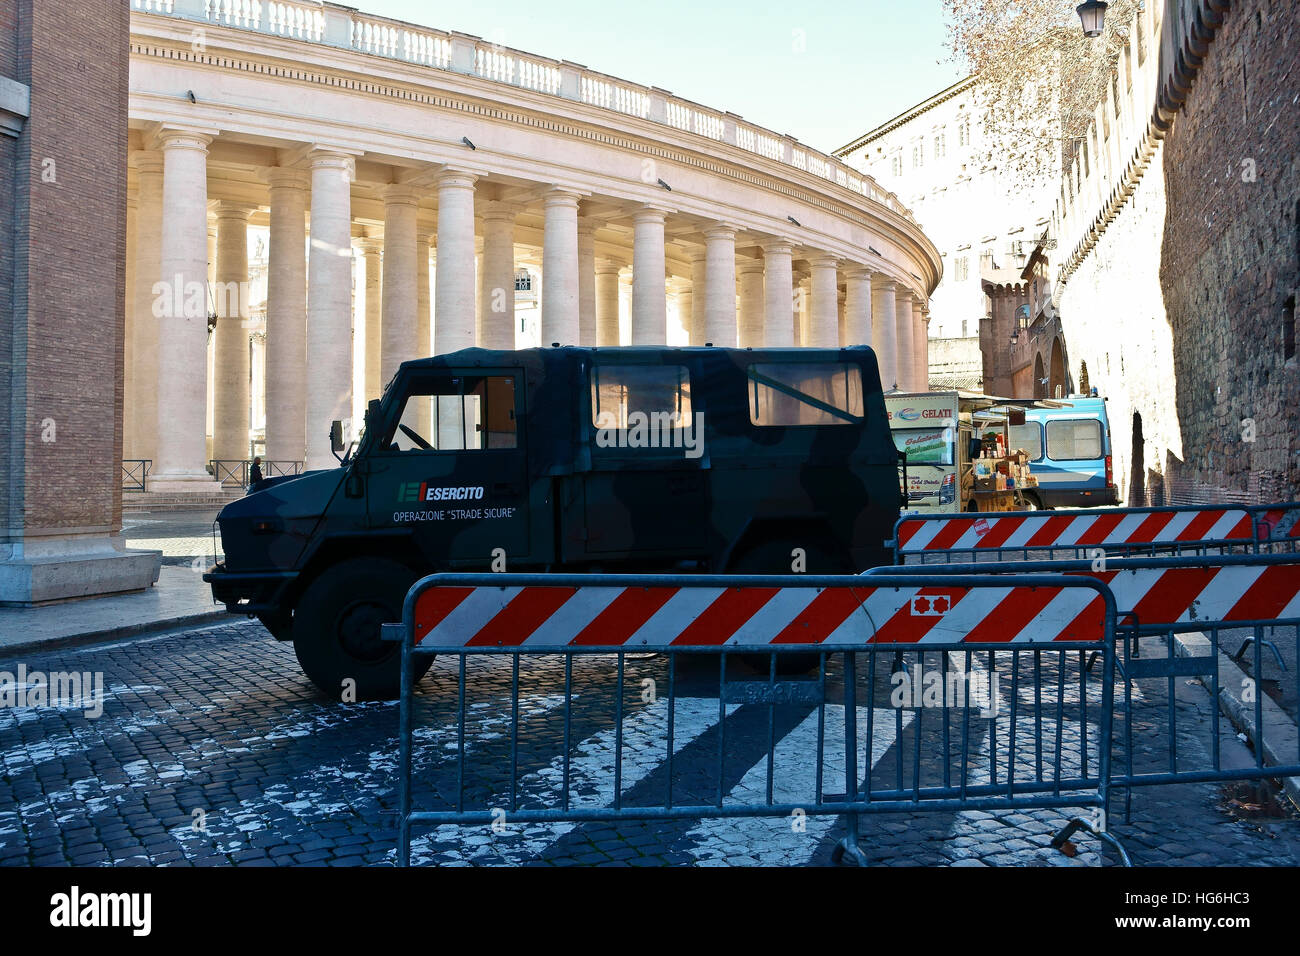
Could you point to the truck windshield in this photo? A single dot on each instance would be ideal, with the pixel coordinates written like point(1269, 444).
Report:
point(455, 413)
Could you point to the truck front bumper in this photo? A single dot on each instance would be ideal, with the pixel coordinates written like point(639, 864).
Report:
point(249, 592)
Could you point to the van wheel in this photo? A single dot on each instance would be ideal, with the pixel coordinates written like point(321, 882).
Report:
point(776, 557)
point(336, 628)
point(1031, 502)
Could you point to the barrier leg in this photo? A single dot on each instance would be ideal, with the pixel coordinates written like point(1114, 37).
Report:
point(1077, 824)
point(404, 758)
point(848, 845)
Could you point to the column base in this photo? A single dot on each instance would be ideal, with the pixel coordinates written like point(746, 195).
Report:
point(200, 483)
point(46, 570)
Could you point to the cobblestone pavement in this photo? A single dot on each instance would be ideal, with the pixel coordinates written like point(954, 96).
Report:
point(182, 536)
point(213, 749)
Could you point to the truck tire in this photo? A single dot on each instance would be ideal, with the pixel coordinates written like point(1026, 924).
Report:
point(775, 557)
point(336, 628)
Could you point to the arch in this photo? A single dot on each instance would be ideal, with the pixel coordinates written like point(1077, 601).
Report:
point(1056, 383)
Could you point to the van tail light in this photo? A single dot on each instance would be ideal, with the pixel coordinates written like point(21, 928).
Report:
point(1110, 475)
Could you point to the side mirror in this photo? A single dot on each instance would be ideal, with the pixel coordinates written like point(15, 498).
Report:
point(336, 436)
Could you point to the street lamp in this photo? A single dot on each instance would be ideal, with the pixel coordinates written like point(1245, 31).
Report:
point(1093, 15)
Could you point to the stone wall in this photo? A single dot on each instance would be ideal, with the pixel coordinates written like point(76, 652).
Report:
point(1178, 307)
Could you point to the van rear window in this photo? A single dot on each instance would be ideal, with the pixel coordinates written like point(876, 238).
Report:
point(1028, 436)
point(1074, 440)
point(805, 393)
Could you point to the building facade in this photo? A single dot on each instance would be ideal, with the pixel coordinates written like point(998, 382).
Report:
point(414, 191)
point(987, 220)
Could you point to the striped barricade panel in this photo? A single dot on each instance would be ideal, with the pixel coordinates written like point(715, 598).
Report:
point(1277, 523)
point(1168, 528)
point(1173, 593)
point(547, 612)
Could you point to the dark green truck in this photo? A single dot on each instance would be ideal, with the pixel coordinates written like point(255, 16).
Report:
point(634, 459)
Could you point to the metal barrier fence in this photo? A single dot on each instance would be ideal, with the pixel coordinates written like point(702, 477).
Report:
point(135, 474)
point(1123, 532)
point(235, 472)
point(1181, 617)
point(719, 745)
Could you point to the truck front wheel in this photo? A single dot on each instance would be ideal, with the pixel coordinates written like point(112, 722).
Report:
point(336, 629)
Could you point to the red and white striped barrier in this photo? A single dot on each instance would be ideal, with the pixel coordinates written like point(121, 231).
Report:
point(659, 617)
point(1046, 530)
point(1278, 522)
point(1165, 597)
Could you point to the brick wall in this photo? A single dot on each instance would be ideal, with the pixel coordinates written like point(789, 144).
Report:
point(1230, 257)
point(1178, 309)
point(68, 237)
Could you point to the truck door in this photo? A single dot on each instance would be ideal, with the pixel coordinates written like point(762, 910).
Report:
point(452, 467)
point(645, 491)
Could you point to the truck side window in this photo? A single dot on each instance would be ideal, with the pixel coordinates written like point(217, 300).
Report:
point(1074, 440)
point(805, 393)
point(456, 413)
point(655, 398)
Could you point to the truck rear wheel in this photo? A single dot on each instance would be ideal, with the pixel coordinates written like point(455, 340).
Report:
point(336, 629)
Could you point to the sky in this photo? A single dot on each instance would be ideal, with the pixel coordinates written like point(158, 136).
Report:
point(822, 72)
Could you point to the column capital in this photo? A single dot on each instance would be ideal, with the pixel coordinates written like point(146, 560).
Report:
point(561, 196)
point(185, 137)
point(822, 260)
point(370, 245)
point(609, 266)
point(400, 194)
point(720, 231)
point(884, 283)
point(747, 266)
point(230, 210)
point(777, 247)
point(496, 211)
point(283, 177)
point(855, 270)
point(650, 212)
point(146, 161)
point(450, 177)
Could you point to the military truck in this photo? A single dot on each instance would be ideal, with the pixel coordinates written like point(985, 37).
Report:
point(632, 459)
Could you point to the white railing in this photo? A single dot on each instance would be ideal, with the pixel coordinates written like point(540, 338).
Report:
point(297, 20)
point(335, 25)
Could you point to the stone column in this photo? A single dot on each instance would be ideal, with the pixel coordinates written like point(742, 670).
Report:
point(230, 340)
point(372, 254)
point(607, 302)
point(751, 304)
point(329, 303)
point(286, 318)
point(649, 293)
point(906, 366)
point(884, 330)
point(823, 324)
point(497, 294)
point(147, 324)
point(720, 292)
point(183, 339)
point(857, 306)
point(778, 294)
point(921, 346)
point(453, 294)
point(699, 296)
point(586, 281)
point(128, 338)
point(560, 266)
point(423, 296)
point(400, 296)
point(803, 308)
